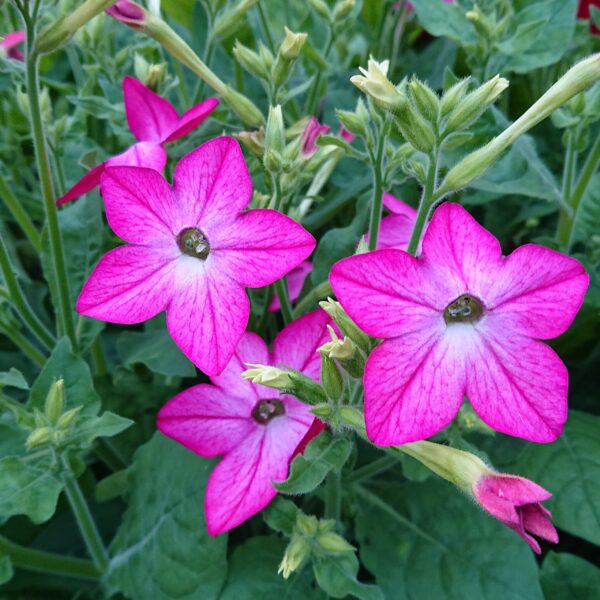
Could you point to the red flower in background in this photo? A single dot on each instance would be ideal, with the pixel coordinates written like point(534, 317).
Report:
point(584, 12)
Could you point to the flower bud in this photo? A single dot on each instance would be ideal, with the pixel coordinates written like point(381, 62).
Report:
point(266, 55)
point(362, 246)
point(454, 95)
point(332, 543)
point(296, 553)
point(323, 411)
point(331, 378)
point(128, 12)
point(38, 437)
point(55, 401)
point(253, 141)
point(343, 9)
point(354, 122)
point(345, 352)
point(475, 103)
point(273, 161)
point(321, 8)
point(243, 106)
point(306, 524)
point(268, 376)
point(352, 417)
point(305, 389)
point(67, 419)
point(22, 100)
point(250, 61)
point(425, 100)
point(374, 83)
point(275, 132)
point(292, 44)
point(346, 324)
point(231, 20)
point(415, 129)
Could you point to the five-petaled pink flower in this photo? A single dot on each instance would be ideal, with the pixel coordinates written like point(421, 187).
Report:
point(515, 501)
point(9, 45)
point(462, 319)
point(256, 429)
point(191, 251)
point(154, 122)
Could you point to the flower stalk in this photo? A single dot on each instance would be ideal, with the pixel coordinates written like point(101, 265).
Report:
point(376, 207)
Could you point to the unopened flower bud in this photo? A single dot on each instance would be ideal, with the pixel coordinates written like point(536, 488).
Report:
point(321, 8)
point(374, 82)
point(268, 376)
point(425, 100)
point(128, 12)
point(243, 106)
point(253, 141)
point(292, 44)
point(250, 61)
point(306, 389)
point(68, 418)
point(346, 324)
point(453, 96)
point(306, 524)
point(352, 121)
point(38, 437)
point(275, 132)
point(331, 378)
point(345, 352)
point(474, 104)
point(273, 161)
point(230, 21)
point(156, 74)
point(22, 100)
point(323, 411)
point(296, 553)
point(343, 9)
point(140, 67)
point(266, 55)
point(352, 417)
point(413, 126)
point(332, 543)
point(55, 401)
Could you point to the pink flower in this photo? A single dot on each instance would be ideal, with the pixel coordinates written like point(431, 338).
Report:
point(462, 319)
point(154, 122)
point(395, 229)
point(310, 134)
point(127, 12)
point(295, 282)
point(256, 429)
point(191, 251)
point(515, 501)
point(346, 135)
point(9, 45)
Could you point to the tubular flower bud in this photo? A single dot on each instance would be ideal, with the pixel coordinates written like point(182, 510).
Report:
point(296, 553)
point(453, 96)
point(415, 129)
point(332, 380)
point(374, 83)
point(346, 352)
point(342, 9)
point(347, 326)
point(332, 543)
point(253, 141)
point(55, 401)
point(230, 20)
point(268, 376)
point(292, 44)
point(68, 418)
point(250, 61)
point(38, 437)
point(321, 8)
point(425, 99)
point(275, 133)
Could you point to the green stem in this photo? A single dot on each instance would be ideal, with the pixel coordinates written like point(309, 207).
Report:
point(19, 301)
point(376, 207)
point(312, 97)
point(284, 300)
point(317, 293)
point(20, 215)
point(265, 27)
point(569, 167)
point(48, 562)
point(19, 340)
point(98, 357)
point(67, 324)
point(333, 497)
point(425, 205)
point(566, 222)
point(84, 519)
point(373, 468)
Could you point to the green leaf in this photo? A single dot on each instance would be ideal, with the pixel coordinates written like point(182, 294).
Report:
point(280, 515)
point(156, 350)
point(13, 378)
point(98, 106)
point(568, 577)
point(79, 389)
point(426, 540)
point(27, 489)
point(588, 215)
point(323, 454)
point(253, 574)
point(81, 227)
point(162, 549)
point(6, 569)
point(336, 574)
point(570, 469)
point(448, 20)
point(86, 430)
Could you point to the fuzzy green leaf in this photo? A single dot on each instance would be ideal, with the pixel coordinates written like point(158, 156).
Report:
point(568, 577)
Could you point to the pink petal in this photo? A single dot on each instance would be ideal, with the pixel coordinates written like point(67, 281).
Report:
point(295, 282)
point(387, 293)
point(414, 385)
point(310, 134)
point(207, 420)
point(518, 490)
point(315, 429)
point(394, 232)
point(208, 315)
point(12, 39)
point(143, 154)
point(129, 285)
point(296, 345)
point(87, 183)
point(399, 207)
point(150, 117)
point(140, 206)
point(538, 291)
point(261, 246)
point(241, 484)
point(536, 520)
point(461, 252)
point(517, 385)
point(213, 184)
point(250, 349)
point(190, 119)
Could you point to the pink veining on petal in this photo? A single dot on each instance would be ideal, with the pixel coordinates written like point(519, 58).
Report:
point(295, 281)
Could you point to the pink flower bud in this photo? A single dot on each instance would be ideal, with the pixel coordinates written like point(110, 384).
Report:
point(516, 502)
point(127, 12)
point(310, 134)
point(9, 45)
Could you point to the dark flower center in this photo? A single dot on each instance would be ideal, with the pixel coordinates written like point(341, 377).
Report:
point(265, 410)
point(191, 241)
point(465, 309)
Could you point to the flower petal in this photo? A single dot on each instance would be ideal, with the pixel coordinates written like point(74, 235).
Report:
point(150, 117)
point(539, 291)
point(207, 316)
point(414, 385)
point(213, 183)
point(250, 349)
point(536, 520)
point(143, 154)
point(191, 118)
point(87, 183)
point(462, 253)
point(140, 205)
point(394, 232)
point(129, 285)
point(295, 282)
point(517, 385)
point(241, 484)
point(207, 420)
point(399, 207)
point(261, 246)
point(296, 345)
point(386, 293)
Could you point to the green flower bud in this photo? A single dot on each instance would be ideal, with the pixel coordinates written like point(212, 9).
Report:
point(243, 106)
point(415, 129)
point(323, 411)
point(306, 524)
point(140, 67)
point(292, 44)
point(353, 122)
point(425, 100)
point(55, 401)
point(253, 141)
point(273, 161)
point(265, 55)
point(250, 61)
point(268, 376)
point(231, 20)
point(374, 83)
point(331, 378)
point(332, 543)
point(68, 418)
point(321, 8)
point(345, 352)
point(38, 437)
point(363, 246)
point(296, 553)
point(346, 324)
point(305, 389)
point(454, 95)
point(275, 132)
point(353, 417)
point(343, 9)
point(22, 100)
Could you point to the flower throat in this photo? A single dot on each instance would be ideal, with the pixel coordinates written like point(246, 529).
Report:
point(265, 410)
point(465, 309)
point(192, 242)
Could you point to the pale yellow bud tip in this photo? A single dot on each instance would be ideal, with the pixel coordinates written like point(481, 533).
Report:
point(267, 375)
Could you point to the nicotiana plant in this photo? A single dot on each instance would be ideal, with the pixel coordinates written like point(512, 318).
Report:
point(299, 299)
